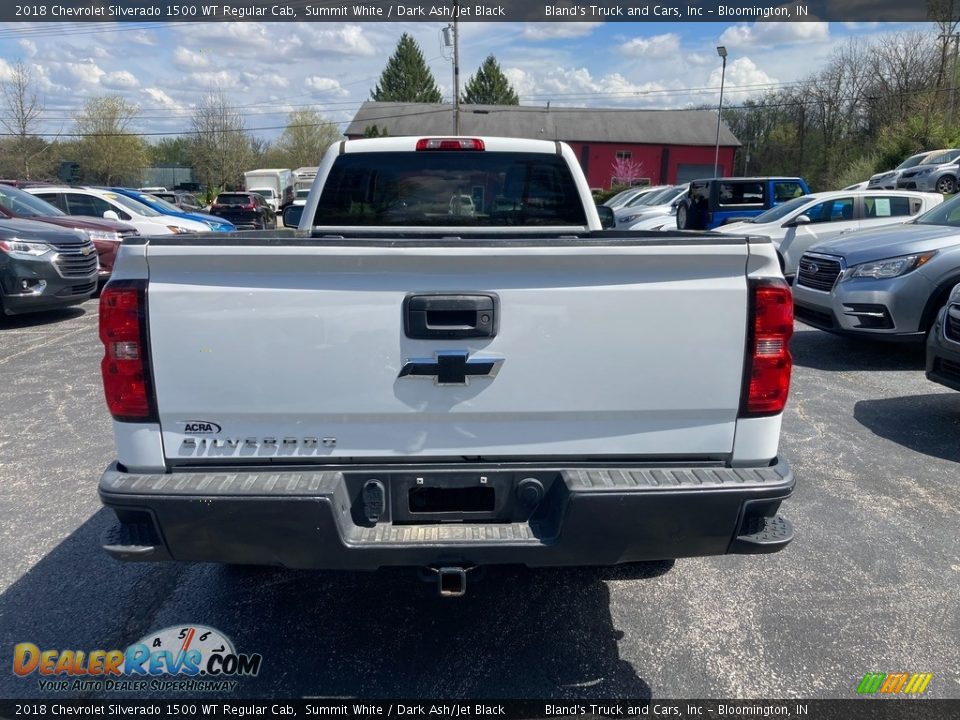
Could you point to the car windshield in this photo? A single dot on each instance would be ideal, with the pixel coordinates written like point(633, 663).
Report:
point(659, 197)
point(911, 161)
point(302, 194)
point(648, 198)
point(781, 211)
point(161, 204)
point(265, 193)
point(947, 214)
point(23, 203)
point(134, 206)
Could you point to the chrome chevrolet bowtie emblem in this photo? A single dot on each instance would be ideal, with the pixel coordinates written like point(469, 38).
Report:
point(87, 249)
point(451, 367)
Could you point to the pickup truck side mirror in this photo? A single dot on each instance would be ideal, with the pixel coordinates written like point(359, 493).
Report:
point(110, 215)
point(292, 215)
point(799, 220)
point(607, 218)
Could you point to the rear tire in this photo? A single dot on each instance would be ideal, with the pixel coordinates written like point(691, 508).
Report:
point(682, 217)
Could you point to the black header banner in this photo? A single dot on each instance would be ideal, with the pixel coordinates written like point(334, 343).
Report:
point(731, 11)
point(665, 709)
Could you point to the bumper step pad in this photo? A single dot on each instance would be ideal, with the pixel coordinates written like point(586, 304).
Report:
point(763, 535)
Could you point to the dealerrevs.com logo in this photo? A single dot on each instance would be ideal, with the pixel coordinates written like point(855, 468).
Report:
point(181, 657)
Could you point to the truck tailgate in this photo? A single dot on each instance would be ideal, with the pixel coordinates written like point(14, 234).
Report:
point(297, 350)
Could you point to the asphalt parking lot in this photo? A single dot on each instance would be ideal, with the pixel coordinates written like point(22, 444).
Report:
point(871, 583)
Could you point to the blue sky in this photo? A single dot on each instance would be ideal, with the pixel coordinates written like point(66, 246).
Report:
point(268, 69)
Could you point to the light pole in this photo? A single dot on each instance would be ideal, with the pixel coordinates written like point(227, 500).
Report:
point(722, 52)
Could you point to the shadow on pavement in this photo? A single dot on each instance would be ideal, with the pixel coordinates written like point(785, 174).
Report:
point(517, 633)
point(34, 319)
point(928, 424)
point(823, 351)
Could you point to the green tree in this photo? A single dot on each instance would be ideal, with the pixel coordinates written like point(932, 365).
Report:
point(21, 119)
point(221, 147)
point(307, 135)
point(489, 86)
point(372, 131)
point(171, 151)
point(406, 78)
point(107, 150)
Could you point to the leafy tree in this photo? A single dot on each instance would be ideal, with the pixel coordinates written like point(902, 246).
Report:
point(22, 110)
point(107, 150)
point(221, 146)
point(307, 135)
point(489, 86)
point(406, 78)
point(171, 151)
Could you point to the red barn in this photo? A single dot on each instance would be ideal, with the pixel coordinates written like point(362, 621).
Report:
point(655, 146)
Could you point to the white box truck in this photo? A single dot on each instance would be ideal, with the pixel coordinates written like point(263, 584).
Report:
point(275, 185)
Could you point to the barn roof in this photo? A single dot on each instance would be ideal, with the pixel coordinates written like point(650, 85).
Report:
point(653, 127)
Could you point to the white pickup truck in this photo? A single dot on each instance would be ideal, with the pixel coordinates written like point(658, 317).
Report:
point(409, 381)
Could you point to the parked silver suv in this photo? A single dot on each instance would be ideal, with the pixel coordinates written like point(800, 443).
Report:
point(887, 283)
point(888, 180)
point(935, 174)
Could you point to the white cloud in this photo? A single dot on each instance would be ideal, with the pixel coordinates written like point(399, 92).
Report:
point(159, 97)
point(742, 73)
point(770, 34)
point(119, 80)
point(29, 46)
point(700, 59)
point(324, 85)
point(221, 79)
point(656, 46)
point(347, 40)
point(143, 37)
point(186, 59)
point(522, 81)
point(861, 25)
point(86, 72)
point(550, 31)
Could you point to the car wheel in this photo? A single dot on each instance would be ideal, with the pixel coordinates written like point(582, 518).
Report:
point(682, 217)
point(947, 185)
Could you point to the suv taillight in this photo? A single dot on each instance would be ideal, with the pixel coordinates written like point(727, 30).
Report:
point(127, 383)
point(768, 362)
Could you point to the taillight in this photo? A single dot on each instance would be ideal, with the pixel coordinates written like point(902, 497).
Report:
point(768, 362)
point(450, 144)
point(125, 368)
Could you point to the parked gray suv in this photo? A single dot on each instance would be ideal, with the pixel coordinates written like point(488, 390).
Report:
point(887, 283)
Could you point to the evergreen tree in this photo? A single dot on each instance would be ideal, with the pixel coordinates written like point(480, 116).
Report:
point(406, 78)
point(489, 86)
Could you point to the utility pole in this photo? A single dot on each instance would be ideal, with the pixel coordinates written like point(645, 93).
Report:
point(456, 68)
point(451, 38)
point(722, 52)
point(953, 38)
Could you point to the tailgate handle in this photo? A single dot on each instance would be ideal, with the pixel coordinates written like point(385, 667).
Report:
point(450, 315)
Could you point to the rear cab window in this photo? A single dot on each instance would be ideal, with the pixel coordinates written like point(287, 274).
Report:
point(450, 188)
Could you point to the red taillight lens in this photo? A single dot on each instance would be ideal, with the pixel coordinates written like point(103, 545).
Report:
point(450, 144)
point(768, 351)
point(126, 374)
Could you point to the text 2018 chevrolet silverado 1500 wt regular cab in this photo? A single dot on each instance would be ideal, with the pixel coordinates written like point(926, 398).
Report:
point(410, 381)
